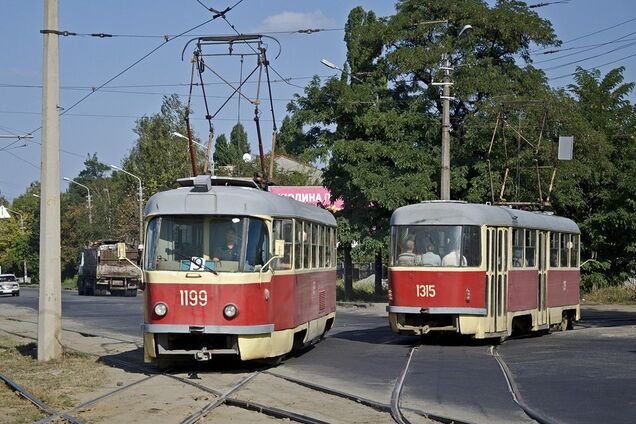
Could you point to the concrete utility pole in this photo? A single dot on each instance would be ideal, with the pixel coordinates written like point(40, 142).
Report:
point(446, 98)
point(445, 180)
point(50, 305)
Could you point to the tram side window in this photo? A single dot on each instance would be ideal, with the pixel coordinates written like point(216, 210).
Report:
point(331, 246)
point(257, 253)
point(574, 252)
point(315, 245)
point(531, 249)
point(306, 245)
point(283, 231)
point(321, 243)
point(554, 250)
point(517, 248)
point(328, 236)
point(152, 234)
point(565, 246)
point(471, 245)
point(298, 245)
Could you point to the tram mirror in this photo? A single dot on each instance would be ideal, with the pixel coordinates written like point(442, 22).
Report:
point(279, 248)
point(121, 251)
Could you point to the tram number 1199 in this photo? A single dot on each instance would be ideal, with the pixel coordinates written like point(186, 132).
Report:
point(193, 297)
point(425, 290)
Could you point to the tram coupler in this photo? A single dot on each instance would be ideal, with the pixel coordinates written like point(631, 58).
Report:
point(203, 355)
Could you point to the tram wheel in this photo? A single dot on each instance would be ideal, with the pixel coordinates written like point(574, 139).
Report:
point(566, 322)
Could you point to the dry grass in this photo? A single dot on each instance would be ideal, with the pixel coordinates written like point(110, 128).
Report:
point(612, 294)
point(54, 382)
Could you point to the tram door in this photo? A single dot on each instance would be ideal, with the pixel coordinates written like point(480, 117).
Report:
point(497, 240)
point(542, 278)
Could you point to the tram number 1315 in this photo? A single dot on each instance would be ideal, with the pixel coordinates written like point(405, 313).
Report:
point(193, 297)
point(425, 290)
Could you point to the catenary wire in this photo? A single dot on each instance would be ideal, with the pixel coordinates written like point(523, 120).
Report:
point(594, 67)
point(166, 40)
point(589, 48)
point(590, 57)
point(588, 34)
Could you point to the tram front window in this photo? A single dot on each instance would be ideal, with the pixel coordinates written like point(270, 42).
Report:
point(204, 243)
point(436, 245)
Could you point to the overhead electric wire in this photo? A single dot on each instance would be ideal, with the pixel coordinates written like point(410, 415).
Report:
point(589, 48)
point(594, 67)
point(286, 80)
point(590, 57)
point(588, 35)
point(166, 40)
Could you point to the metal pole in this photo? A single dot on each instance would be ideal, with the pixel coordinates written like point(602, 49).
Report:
point(141, 213)
point(88, 199)
point(50, 301)
point(141, 199)
point(445, 177)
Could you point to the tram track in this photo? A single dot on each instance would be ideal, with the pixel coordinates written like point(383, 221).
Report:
point(221, 398)
point(514, 389)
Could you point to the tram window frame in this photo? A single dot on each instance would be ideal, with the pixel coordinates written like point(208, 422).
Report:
point(564, 250)
point(328, 247)
point(150, 249)
point(518, 236)
point(554, 249)
point(306, 240)
point(315, 245)
point(322, 244)
point(530, 250)
point(282, 229)
point(574, 252)
point(298, 244)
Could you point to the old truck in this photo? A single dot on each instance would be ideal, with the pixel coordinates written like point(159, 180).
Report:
point(101, 270)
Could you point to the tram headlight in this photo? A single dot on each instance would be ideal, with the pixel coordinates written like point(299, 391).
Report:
point(230, 311)
point(160, 309)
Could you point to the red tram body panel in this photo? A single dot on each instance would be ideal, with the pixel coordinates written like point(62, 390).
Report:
point(233, 270)
point(438, 289)
point(481, 270)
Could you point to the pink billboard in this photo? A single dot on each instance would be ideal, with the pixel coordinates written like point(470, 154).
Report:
point(314, 195)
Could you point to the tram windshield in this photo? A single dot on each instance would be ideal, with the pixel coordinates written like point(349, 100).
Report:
point(206, 244)
point(436, 245)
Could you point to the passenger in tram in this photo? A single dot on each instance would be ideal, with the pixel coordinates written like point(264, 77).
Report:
point(230, 250)
point(407, 257)
point(517, 259)
point(430, 258)
point(453, 257)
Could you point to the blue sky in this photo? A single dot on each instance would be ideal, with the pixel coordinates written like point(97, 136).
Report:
point(103, 123)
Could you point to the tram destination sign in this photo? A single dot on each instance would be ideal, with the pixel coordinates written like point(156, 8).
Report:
point(314, 195)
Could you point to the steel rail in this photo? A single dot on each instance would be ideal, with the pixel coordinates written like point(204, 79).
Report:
point(327, 390)
point(37, 402)
point(397, 391)
point(514, 390)
point(209, 407)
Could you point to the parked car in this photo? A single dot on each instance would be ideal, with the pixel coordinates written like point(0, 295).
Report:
point(9, 285)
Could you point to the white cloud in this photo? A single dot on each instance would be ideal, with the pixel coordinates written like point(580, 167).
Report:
point(292, 21)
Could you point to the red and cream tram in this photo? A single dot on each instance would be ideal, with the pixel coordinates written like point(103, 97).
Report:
point(481, 270)
point(230, 269)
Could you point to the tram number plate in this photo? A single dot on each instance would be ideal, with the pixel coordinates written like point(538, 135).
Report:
point(193, 297)
point(425, 290)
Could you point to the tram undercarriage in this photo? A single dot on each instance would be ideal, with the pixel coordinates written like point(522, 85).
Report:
point(203, 347)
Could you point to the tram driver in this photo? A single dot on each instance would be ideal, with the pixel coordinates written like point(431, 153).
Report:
point(230, 250)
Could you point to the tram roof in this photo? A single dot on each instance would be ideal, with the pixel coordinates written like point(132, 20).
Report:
point(461, 213)
point(232, 200)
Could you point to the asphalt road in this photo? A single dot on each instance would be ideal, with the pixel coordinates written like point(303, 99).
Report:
point(583, 376)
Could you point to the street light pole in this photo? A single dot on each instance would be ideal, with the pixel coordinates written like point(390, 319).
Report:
point(88, 199)
point(210, 157)
point(141, 201)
